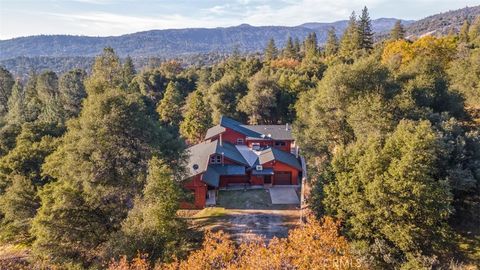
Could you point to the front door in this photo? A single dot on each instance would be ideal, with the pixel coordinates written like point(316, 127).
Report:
point(267, 179)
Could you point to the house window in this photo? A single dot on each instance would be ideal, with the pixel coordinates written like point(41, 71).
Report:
point(216, 159)
point(239, 141)
point(279, 143)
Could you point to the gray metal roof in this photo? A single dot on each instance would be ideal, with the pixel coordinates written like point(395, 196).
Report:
point(213, 173)
point(226, 122)
point(271, 154)
point(277, 132)
point(199, 155)
point(213, 131)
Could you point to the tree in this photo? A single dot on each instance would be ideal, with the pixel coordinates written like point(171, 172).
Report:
point(260, 103)
point(170, 107)
point(474, 32)
point(271, 51)
point(16, 105)
point(331, 46)
point(223, 96)
point(465, 77)
point(463, 34)
point(49, 97)
point(72, 91)
point(6, 84)
point(128, 71)
point(107, 72)
point(397, 32)
point(365, 30)
point(316, 245)
point(20, 179)
point(311, 45)
point(99, 168)
point(289, 49)
point(350, 42)
point(152, 226)
point(394, 205)
point(197, 118)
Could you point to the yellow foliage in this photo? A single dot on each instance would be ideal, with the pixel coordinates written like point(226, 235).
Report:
point(401, 52)
point(317, 245)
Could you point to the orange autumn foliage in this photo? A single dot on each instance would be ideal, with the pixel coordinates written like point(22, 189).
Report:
point(317, 245)
point(285, 63)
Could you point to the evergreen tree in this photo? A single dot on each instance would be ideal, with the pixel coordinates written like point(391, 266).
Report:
point(365, 30)
point(152, 226)
point(128, 71)
point(49, 97)
point(350, 42)
point(197, 118)
point(397, 32)
point(6, 84)
point(474, 32)
point(170, 107)
point(311, 46)
point(224, 95)
point(297, 46)
point(33, 105)
point(389, 195)
point(16, 105)
point(271, 51)
point(100, 167)
point(463, 34)
point(72, 91)
point(289, 49)
point(107, 72)
point(331, 46)
point(260, 103)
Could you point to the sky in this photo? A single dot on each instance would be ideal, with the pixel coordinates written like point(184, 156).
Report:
point(116, 17)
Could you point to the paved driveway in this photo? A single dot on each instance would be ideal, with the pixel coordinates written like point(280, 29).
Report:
point(284, 195)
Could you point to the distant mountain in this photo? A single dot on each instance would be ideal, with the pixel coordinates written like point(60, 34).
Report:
point(172, 42)
point(443, 23)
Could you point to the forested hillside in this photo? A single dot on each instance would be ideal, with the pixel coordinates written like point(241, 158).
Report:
point(91, 164)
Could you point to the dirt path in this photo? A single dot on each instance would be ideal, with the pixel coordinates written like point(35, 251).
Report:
point(245, 224)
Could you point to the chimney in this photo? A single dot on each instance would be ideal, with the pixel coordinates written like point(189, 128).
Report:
point(220, 140)
point(223, 158)
point(286, 126)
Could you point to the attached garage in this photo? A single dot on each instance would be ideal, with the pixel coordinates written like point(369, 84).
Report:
point(282, 178)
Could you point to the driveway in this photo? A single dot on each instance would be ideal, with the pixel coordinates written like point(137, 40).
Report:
point(284, 195)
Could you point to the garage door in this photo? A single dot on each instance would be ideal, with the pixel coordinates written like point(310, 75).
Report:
point(283, 178)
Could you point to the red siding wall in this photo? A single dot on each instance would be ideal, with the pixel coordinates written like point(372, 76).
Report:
point(281, 167)
point(199, 189)
point(256, 180)
point(271, 143)
point(230, 136)
point(234, 179)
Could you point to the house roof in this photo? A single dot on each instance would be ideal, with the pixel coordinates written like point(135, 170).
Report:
point(277, 132)
point(213, 173)
point(226, 122)
point(199, 155)
point(271, 154)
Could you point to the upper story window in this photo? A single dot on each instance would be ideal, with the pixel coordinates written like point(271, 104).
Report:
point(240, 141)
point(280, 143)
point(216, 159)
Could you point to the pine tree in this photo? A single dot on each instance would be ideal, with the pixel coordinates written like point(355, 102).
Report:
point(311, 46)
point(100, 167)
point(197, 118)
point(128, 71)
point(297, 46)
point(350, 42)
point(33, 105)
point(463, 34)
point(107, 72)
point(6, 84)
point(397, 32)
point(271, 51)
point(289, 49)
point(365, 30)
point(152, 226)
point(72, 91)
point(331, 46)
point(16, 105)
point(474, 31)
point(170, 107)
point(49, 97)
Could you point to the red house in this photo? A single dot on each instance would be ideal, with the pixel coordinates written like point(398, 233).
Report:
point(238, 154)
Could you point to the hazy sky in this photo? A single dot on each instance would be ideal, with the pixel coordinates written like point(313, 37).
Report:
point(116, 17)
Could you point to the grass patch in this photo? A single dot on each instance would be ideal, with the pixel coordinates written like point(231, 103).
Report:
point(240, 199)
point(211, 212)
